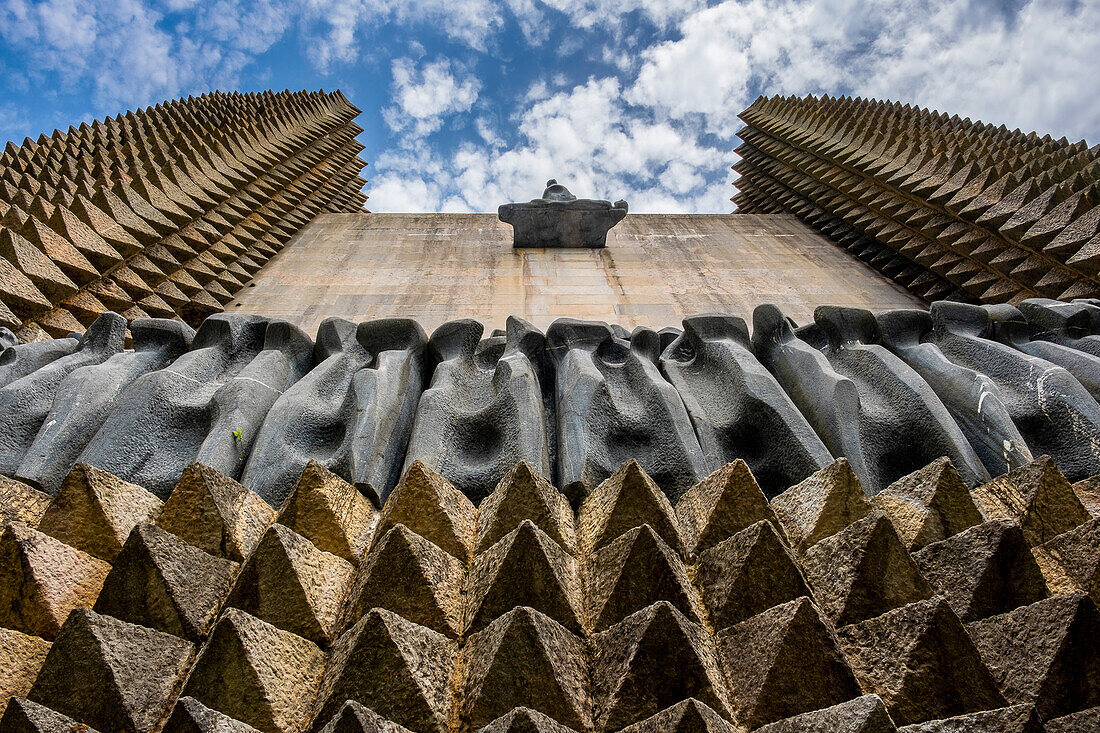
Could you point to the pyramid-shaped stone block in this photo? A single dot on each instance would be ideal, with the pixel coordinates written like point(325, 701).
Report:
point(95, 511)
point(330, 513)
point(1071, 561)
point(1085, 720)
point(627, 499)
point(398, 669)
point(983, 571)
point(160, 581)
point(720, 506)
point(21, 658)
point(652, 660)
point(429, 505)
point(525, 720)
point(920, 661)
point(275, 674)
point(21, 503)
point(524, 494)
point(524, 659)
point(213, 512)
point(866, 714)
point(355, 718)
point(689, 716)
point(1088, 493)
point(1037, 496)
point(928, 505)
point(24, 716)
point(525, 568)
point(42, 579)
point(1015, 719)
point(191, 716)
point(112, 675)
point(822, 505)
point(291, 584)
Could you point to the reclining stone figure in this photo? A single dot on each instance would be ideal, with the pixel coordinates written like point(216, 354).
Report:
point(560, 219)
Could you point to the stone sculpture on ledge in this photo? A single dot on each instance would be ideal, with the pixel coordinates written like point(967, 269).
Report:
point(560, 219)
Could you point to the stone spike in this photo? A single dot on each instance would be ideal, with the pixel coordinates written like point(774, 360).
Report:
point(1015, 719)
point(822, 505)
point(24, 716)
point(429, 505)
point(21, 503)
point(523, 659)
point(720, 506)
point(330, 513)
point(276, 674)
point(355, 718)
point(113, 675)
point(627, 499)
point(290, 584)
point(1086, 720)
point(94, 511)
point(689, 716)
point(928, 505)
point(1071, 561)
point(215, 513)
point(866, 714)
point(1037, 496)
point(22, 657)
point(191, 716)
point(397, 668)
point(524, 494)
point(525, 720)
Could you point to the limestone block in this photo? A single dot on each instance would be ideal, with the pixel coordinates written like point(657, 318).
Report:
point(689, 716)
point(24, 716)
point(525, 720)
point(628, 499)
point(720, 506)
point(426, 503)
point(865, 714)
point(21, 658)
point(191, 716)
point(523, 494)
point(1015, 719)
point(822, 505)
point(1071, 561)
point(330, 513)
point(928, 505)
point(1037, 496)
point(354, 718)
point(21, 503)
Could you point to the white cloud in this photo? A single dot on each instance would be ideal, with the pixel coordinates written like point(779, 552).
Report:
point(424, 96)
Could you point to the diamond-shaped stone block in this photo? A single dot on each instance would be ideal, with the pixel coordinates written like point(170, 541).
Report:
point(820, 506)
point(720, 506)
point(330, 513)
point(521, 495)
point(928, 505)
point(429, 505)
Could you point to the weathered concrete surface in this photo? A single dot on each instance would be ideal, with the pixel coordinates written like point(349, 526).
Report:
point(656, 269)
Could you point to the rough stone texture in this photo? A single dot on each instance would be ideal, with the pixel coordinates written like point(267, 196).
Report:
point(689, 716)
point(822, 505)
point(783, 662)
point(920, 661)
point(721, 505)
point(161, 582)
point(429, 505)
point(747, 574)
point(354, 718)
point(629, 498)
point(291, 584)
point(1071, 561)
point(525, 568)
point(863, 571)
point(1015, 719)
point(983, 571)
point(330, 513)
point(413, 577)
point(1045, 654)
point(560, 219)
point(649, 661)
point(928, 505)
point(21, 503)
point(524, 659)
point(42, 579)
point(1088, 493)
point(524, 494)
point(20, 360)
point(865, 714)
point(214, 513)
point(24, 716)
point(95, 511)
point(21, 658)
point(257, 674)
point(525, 720)
point(191, 716)
point(1085, 720)
point(1037, 496)
point(112, 675)
point(398, 669)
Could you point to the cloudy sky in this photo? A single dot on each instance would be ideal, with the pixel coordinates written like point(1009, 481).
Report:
point(470, 103)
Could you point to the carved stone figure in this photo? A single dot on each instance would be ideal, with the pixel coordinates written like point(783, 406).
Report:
point(560, 219)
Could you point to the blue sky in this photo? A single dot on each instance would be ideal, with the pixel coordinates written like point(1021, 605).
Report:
point(470, 103)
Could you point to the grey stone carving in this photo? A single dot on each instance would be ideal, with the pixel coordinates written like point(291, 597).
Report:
point(25, 402)
point(87, 396)
point(737, 407)
point(7, 339)
point(352, 413)
point(560, 219)
point(612, 404)
point(486, 408)
point(1076, 324)
point(19, 360)
point(866, 404)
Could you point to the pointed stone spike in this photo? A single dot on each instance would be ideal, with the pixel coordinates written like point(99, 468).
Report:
point(24, 716)
point(276, 674)
point(94, 511)
point(21, 659)
point(783, 662)
point(525, 568)
point(863, 571)
point(113, 675)
point(21, 503)
point(191, 716)
point(161, 582)
point(1088, 493)
point(920, 661)
point(634, 571)
point(628, 499)
point(215, 513)
point(524, 494)
point(524, 659)
point(1071, 561)
point(525, 720)
point(689, 716)
point(412, 577)
point(1086, 720)
point(650, 660)
point(720, 506)
point(355, 718)
point(822, 505)
point(866, 714)
point(43, 579)
point(928, 505)
point(1037, 496)
point(398, 669)
point(429, 505)
point(330, 513)
point(1045, 654)
point(984, 571)
point(289, 583)
point(1015, 719)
